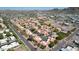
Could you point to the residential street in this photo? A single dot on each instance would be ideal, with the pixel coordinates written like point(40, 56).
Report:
point(64, 42)
point(23, 39)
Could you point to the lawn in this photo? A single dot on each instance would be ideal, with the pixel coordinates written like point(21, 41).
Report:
point(44, 37)
point(61, 35)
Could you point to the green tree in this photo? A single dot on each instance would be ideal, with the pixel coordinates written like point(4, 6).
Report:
point(56, 30)
point(51, 44)
point(8, 34)
point(1, 36)
point(42, 46)
point(20, 42)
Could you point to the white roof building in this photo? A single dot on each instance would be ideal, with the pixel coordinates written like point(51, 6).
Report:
point(11, 33)
point(13, 38)
point(7, 30)
point(5, 47)
point(11, 45)
point(1, 49)
point(77, 40)
point(4, 35)
point(14, 44)
point(75, 49)
point(69, 48)
point(1, 31)
point(3, 41)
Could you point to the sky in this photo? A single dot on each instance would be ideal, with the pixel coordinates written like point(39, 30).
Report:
point(29, 8)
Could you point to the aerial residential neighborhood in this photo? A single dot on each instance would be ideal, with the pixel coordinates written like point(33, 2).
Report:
point(8, 40)
point(39, 30)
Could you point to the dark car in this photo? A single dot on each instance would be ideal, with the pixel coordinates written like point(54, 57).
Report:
point(77, 34)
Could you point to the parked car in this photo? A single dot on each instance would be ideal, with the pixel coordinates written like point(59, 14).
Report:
point(77, 34)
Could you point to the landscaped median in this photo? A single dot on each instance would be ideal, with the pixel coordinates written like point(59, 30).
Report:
point(21, 42)
point(18, 39)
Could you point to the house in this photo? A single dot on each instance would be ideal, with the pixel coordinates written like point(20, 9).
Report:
point(69, 48)
point(14, 44)
point(77, 40)
point(5, 47)
point(28, 32)
point(2, 27)
point(75, 49)
point(7, 30)
point(66, 24)
point(37, 38)
point(4, 35)
point(12, 38)
point(44, 43)
point(54, 35)
point(1, 49)
point(3, 41)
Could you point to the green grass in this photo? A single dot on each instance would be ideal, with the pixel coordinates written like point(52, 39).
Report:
point(20, 42)
point(24, 46)
point(44, 38)
point(62, 35)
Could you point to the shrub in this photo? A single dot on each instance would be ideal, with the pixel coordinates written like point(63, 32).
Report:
point(51, 44)
point(8, 34)
point(42, 46)
point(1, 36)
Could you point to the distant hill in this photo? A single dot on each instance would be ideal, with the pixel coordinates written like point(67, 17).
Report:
point(69, 10)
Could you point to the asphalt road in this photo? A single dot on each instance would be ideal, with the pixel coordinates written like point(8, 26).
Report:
point(64, 42)
point(23, 39)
